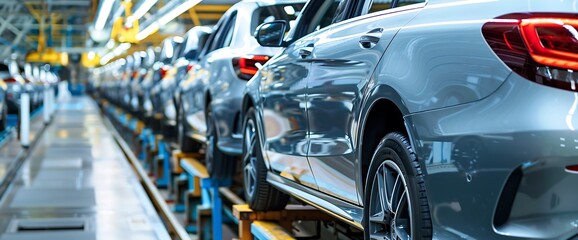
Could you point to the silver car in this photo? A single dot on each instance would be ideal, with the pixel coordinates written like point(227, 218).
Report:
point(184, 58)
point(442, 119)
point(211, 96)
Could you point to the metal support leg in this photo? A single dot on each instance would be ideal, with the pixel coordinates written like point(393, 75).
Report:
point(25, 119)
point(217, 216)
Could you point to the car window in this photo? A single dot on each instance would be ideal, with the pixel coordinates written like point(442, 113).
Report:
point(224, 31)
point(286, 12)
point(320, 14)
point(230, 29)
point(178, 51)
point(167, 51)
point(326, 15)
point(379, 5)
point(401, 3)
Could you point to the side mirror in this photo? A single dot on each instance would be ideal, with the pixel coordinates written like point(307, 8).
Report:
point(271, 34)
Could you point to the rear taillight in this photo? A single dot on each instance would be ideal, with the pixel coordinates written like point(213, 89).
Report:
point(134, 74)
point(247, 67)
point(190, 66)
point(542, 47)
point(572, 169)
point(164, 71)
point(9, 80)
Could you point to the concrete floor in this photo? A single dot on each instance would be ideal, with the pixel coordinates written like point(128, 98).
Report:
point(76, 184)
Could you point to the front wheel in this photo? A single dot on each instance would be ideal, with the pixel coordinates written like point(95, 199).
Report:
point(260, 195)
point(396, 205)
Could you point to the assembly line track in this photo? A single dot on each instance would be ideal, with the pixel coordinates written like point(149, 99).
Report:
point(22, 155)
point(174, 227)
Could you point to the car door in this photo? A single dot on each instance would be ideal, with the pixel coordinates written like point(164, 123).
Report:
point(208, 69)
point(283, 96)
point(342, 62)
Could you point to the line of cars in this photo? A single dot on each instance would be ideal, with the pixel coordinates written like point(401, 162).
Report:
point(409, 119)
point(16, 79)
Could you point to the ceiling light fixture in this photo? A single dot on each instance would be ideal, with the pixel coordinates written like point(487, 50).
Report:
point(103, 14)
point(142, 9)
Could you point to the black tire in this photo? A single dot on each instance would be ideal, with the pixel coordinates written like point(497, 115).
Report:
point(259, 194)
point(4, 121)
point(219, 165)
point(394, 160)
point(187, 145)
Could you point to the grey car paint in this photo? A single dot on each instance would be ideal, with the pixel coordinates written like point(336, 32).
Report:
point(191, 46)
point(214, 80)
point(457, 99)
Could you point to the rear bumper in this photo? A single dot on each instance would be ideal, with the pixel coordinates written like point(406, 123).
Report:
point(495, 168)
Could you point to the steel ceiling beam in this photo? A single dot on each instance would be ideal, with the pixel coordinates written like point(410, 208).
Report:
point(62, 2)
point(75, 27)
point(19, 37)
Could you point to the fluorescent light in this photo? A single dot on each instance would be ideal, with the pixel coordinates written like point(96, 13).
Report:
point(91, 55)
point(165, 18)
point(110, 44)
point(289, 10)
point(143, 8)
point(147, 31)
point(176, 11)
point(106, 58)
point(103, 14)
point(121, 48)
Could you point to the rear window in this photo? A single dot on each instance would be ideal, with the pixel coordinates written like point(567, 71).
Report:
point(3, 68)
point(178, 51)
point(194, 45)
point(286, 12)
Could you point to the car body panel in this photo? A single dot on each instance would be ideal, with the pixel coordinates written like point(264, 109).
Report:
point(471, 121)
point(283, 98)
point(339, 72)
point(214, 80)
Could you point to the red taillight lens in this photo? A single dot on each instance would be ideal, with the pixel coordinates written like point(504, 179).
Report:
point(189, 67)
point(573, 168)
point(552, 42)
point(134, 74)
point(541, 47)
point(9, 80)
point(247, 67)
point(164, 71)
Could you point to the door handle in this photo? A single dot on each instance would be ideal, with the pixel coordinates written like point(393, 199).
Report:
point(305, 51)
point(371, 38)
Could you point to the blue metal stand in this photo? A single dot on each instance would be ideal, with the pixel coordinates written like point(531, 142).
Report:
point(164, 180)
point(213, 186)
point(180, 206)
point(12, 120)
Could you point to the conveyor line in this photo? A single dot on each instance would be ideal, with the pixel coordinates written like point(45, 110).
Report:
point(76, 183)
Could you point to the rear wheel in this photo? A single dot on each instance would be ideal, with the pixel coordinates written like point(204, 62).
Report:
point(260, 195)
point(186, 143)
point(396, 205)
point(220, 165)
point(4, 121)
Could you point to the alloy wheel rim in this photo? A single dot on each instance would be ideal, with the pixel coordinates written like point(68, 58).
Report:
point(250, 159)
point(389, 204)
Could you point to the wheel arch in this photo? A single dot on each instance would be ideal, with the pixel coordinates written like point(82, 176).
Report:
point(382, 113)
